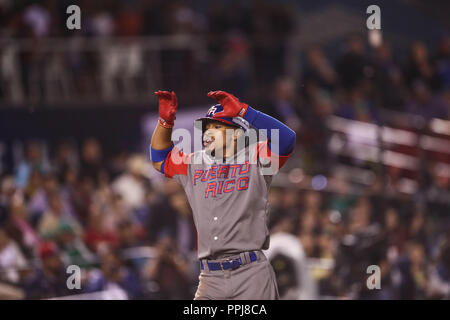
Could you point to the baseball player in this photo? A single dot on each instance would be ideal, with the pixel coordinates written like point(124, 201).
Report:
point(227, 187)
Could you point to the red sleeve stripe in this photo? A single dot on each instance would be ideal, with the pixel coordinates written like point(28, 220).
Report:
point(176, 163)
point(263, 152)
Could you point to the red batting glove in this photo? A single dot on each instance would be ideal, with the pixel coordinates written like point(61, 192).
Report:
point(232, 107)
point(168, 104)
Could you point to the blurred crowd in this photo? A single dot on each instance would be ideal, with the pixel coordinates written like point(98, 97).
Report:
point(62, 207)
point(226, 30)
point(85, 210)
point(247, 44)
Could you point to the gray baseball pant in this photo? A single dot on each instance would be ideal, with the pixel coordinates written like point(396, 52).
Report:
point(250, 281)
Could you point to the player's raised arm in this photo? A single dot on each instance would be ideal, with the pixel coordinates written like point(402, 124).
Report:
point(234, 108)
point(161, 143)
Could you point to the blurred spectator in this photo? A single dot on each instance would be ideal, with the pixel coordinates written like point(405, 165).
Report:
point(426, 104)
point(396, 233)
point(353, 67)
point(357, 106)
point(55, 218)
point(419, 67)
point(96, 236)
point(18, 223)
point(439, 287)
point(43, 188)
point(38, 19)
point(65, 161)
point(389, 84)
point(91, 160)
point(159, 225)
point(82, 197)
point(128, 20)
point(49, 280)
point(169, 271)
point(412, 272)
point(12, 261)
point(234, 66)
point(319, 70)
point(130, 235)
point(185, 229)
point(314, 133)
point(442, 63)
point(131, 184)
point(33, 161)
point(7, 190)
point(73, 249)
point(284, 103)
point(115, 273)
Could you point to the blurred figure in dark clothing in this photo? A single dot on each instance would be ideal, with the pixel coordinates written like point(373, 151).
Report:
point(419, 66)
point(284, 104)
point(130, 235)
point(418, 228)
point(357, 106)
point(411, 273)
point(96, 235)
point(353, 67)
point(314, 133)
point(390, 90)
point(154, 22)
point(396, 233)
point(115, 273)
point(426, 104)
point(442, 63)
point(439, 287)
point(319, 69)
point(234, 66)
point(50, 280)
point(64, 160)
point(19, 226)
point(161, 218)
point(185, 229)
point(7, 190)
point(272, 24)
point(129, 21)
point(169, 271)
point(91, 160)
point(438, 191)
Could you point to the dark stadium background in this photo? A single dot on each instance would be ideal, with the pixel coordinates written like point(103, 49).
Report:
point(368, 183)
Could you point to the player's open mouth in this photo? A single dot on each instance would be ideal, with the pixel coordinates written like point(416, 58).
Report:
point(207, 141)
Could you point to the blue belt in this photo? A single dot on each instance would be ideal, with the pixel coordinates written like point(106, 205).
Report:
point(229, 264)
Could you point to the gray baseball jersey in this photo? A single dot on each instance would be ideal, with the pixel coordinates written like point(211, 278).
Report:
point(229, 199)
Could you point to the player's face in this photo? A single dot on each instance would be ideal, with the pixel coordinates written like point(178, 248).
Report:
point(215, 139)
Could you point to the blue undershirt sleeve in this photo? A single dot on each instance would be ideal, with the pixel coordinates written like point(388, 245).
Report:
point(261, 120)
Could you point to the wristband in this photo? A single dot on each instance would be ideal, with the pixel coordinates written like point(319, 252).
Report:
point(243, 112)
point(159, 155)
point(165, 124)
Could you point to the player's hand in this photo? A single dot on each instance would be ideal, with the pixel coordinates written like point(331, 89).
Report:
point(232, 107)
point(168, 104)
